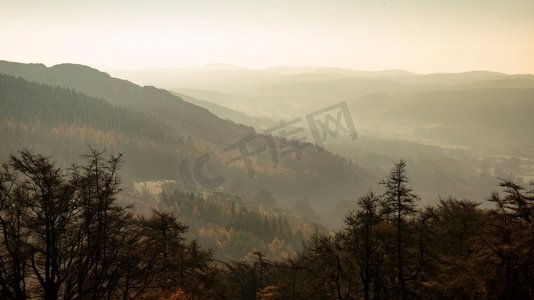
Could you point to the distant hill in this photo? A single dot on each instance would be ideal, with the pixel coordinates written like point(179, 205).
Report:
point(479, 121)
point(64, 123)
point(229, 114)
point(479, 116)
point(188, 131)
point(168, 108)
point(300, 90)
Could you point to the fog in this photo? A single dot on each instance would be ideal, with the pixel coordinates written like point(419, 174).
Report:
point(266, 149)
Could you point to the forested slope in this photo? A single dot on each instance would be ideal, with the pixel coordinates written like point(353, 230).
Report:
point(187, 132)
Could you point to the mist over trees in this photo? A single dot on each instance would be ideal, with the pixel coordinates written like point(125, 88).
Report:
point(266, 150)
point(63, 236)
point(155, 130)
point(67, 232)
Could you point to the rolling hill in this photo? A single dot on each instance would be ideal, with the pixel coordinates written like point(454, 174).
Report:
point(189, 132)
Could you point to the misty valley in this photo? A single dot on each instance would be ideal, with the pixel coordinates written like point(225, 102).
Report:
point(266, 150)
point(413, 186)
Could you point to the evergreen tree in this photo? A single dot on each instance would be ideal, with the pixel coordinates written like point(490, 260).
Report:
point(399, 202)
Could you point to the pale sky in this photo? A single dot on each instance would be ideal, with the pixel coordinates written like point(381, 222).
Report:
point(417, 35)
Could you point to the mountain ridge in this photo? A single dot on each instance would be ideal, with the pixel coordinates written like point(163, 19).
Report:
point(205, 133)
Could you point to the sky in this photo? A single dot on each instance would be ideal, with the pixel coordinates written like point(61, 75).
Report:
point(422, 36)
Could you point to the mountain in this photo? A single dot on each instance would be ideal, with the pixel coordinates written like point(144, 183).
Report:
point(229, 114)
point(483, 117)
point(300, 90)
point(178, 114)
point(191, 131)
point(467, 109)
point(476, 124)
point(63, 122)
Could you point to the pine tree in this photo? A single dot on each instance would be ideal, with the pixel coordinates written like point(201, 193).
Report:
point(399, 202)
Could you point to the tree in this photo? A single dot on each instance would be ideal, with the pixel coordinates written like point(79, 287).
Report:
point(509, 242)
point(58, 227)
point(13, 249)
point(48, 217)
point(98, 235)
point(63, 236)
point(399, 202)
point(453, 231)
point(361, 240)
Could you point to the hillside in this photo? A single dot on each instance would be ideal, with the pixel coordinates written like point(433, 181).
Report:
point(229, 114)
point(475, 125)
point(500, 117)
point(66, 122)
point(192, 131)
